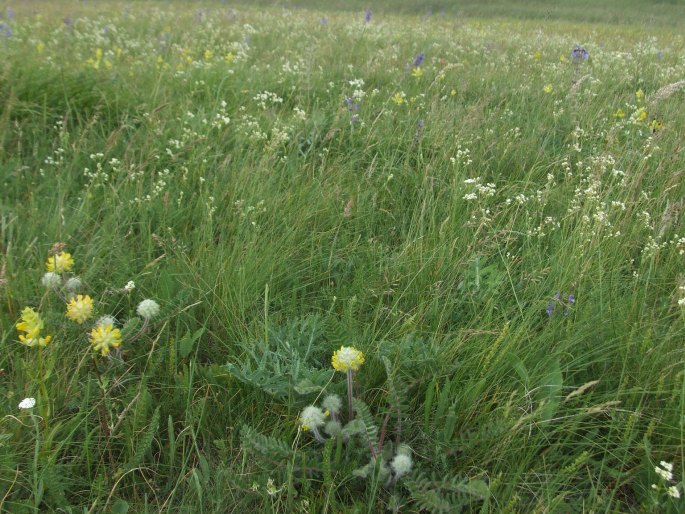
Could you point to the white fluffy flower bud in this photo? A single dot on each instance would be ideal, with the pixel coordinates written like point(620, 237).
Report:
point(73, 284)
point(148, 309)
point(332, 403)
point(312, 417)
point(51, 280)
point(401, 465)
point(105, 321)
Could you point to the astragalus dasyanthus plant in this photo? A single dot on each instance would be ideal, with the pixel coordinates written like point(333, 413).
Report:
point(315, 260)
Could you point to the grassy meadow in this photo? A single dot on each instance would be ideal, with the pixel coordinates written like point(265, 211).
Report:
point(484, 198)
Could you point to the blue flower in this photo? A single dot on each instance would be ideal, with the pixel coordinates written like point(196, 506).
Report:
point(367, 16)
point(419, 59)
point(550, 308)
point(579, 54)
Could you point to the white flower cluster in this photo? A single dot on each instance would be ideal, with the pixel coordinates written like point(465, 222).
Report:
point(665, 472)
point(479, 189)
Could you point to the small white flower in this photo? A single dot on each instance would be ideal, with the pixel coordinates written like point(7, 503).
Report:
point(27, 403)
point(73, 284)
point(664, 474)
point(130, 286)
point(105, 321)
point(666, 465)
point(312, 417)
point(673, 492)
point(51, 280)
point(148, 309)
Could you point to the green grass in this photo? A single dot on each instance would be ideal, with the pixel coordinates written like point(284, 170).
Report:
point(429, 218)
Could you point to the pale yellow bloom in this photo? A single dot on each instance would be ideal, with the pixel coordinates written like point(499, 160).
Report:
point(60, 262)
point(32, 325)
point(104, 337)
point(347, 358)
point(80, 309)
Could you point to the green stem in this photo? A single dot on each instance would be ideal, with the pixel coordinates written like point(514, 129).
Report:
point(349, 395)
point(36, 457)
point(44, 396)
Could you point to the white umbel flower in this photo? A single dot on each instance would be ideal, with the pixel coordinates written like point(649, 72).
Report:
point(673, 492)
point(148, 309)
point(27, 403)
point(666, 473)
point(130, 286)
point(51, 280)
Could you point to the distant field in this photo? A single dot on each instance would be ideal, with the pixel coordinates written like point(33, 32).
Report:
point(396, 256)
point(649, 13)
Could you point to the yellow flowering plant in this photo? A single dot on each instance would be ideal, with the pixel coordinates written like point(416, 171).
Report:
point(80, 309)
point(60, 262)
point(104, 337)
point(32, 325)
point(347, 360)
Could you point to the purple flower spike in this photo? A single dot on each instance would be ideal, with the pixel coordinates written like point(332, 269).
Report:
point(351, 105)
point(419, 60)
point(6, 30)
point(557, 296)
point(660, 55)
point(571, 298)
point(550, 308)
point(367, 16)
point(579, 54)
point(324, 21)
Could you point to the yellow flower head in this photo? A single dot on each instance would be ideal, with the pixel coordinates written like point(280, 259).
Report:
point(417, 73)
point(347, 358)
point(80, 309)
point(619, 114)
point(640, 95)
point(398, 98)
point(31, 324)
point(548, 88)
point(105, 337)
point(35, 341)
point(60, 262)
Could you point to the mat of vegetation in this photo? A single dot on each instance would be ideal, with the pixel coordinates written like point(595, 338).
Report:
point(268, 259)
